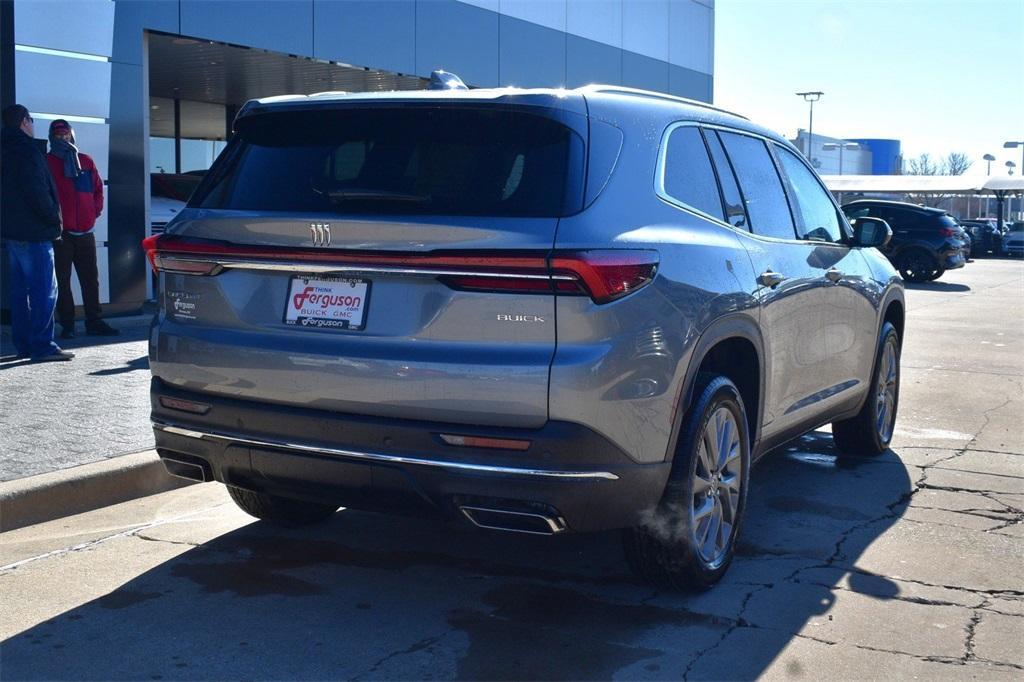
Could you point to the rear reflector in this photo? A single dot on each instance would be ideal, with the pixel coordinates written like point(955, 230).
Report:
point(184, 405)
point(479, 442)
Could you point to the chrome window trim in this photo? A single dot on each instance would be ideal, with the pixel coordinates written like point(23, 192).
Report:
point(389, 459)
point(659, 186)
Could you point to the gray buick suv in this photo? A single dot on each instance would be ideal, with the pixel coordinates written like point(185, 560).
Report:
point(539, 311)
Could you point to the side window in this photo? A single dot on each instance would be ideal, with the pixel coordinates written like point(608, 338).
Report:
point(735, 214)
point(689, 178)
point(763, 195)
point(817, 218)
point(857, 212)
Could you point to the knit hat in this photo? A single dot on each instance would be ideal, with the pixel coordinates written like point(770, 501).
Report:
point(61, 126)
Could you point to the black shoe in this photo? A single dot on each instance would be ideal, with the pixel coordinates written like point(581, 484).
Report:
point(58, 356)
point(101, 328)
point(67, 332)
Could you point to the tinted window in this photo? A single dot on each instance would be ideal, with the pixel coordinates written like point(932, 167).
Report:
point(735, 215)
point(817, 218)
point(761, 186)
point(689, 178)
point(413, 160)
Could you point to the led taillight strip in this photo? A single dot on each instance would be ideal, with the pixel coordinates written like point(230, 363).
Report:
point(604, 275)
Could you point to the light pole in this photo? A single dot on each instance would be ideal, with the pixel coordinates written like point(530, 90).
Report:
point(840, 146)
point(989, 159)
point(988, 171)
point(1018, 143)
point(1010, 165)
point(811, 97)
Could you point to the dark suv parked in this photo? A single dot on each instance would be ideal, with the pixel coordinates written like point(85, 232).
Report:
point(926, 241)
point(535, 310)
point(985, 236)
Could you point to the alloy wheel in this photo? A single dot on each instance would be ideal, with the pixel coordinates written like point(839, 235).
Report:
point(717, 481)
point(885, 410)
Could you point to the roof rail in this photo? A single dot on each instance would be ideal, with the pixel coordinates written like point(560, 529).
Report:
point(658, 95)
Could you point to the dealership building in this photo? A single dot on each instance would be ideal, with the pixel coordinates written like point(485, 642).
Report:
point(151, 86)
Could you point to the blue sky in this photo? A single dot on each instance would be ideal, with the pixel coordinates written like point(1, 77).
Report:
point(940, 75)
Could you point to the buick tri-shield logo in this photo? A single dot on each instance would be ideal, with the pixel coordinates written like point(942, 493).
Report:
point(321, 233)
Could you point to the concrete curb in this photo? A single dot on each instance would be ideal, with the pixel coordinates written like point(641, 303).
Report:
point(57, 494)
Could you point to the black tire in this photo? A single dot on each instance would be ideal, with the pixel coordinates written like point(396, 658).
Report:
point(915, 265)
point(282, 510)
point(935, 275)
point(863, 435)
point(664, 549)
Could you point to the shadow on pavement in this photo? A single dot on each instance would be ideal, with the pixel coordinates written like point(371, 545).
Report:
point(383, 597)
point(937, 286)
point(130, 366)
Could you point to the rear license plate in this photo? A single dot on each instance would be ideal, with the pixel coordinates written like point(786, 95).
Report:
point(327, 302)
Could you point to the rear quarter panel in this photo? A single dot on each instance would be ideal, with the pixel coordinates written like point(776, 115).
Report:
point(619, 368)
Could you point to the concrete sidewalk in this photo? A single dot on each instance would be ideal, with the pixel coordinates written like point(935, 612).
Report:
point(61, 415)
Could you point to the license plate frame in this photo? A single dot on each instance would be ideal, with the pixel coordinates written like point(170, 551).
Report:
point(328, 287)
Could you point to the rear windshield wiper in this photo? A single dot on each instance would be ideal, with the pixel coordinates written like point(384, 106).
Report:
point(355, 194)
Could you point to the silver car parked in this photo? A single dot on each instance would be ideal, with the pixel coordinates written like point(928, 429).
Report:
point(537, 310)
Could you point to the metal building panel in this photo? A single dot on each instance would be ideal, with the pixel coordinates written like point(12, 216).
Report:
point(645, 28)
point(587, 61)
point(640, 71)
point(267, 24)
point(85, 26)
point(457, 37)
point(689, 83)
point(691, 28)
point(549, 13)
point(381, 35)
point(132, 18)
point(491, 5)
point(62, 85)
point(599, 20)
point(530, 55)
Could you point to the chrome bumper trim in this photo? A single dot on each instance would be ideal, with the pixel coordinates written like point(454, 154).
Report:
point(390, 459)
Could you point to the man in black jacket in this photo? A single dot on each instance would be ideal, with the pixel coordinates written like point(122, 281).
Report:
point(30, 219)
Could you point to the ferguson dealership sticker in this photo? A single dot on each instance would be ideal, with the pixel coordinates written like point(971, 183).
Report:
point(327, 303)
point(182, 305)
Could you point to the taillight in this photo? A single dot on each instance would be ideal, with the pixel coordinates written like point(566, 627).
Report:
point(947, 231)
point(149, 245)
point(607, 275)
point(604, 275)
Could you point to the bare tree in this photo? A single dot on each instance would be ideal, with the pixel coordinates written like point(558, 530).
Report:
point(923, 165)
point(956, 163)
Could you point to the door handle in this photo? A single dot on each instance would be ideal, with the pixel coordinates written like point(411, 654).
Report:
point(770, 279)
point(833, 275)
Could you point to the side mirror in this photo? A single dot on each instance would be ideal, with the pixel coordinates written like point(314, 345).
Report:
point(869, 231)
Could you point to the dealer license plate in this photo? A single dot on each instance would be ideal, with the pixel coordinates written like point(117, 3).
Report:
point(327, 303)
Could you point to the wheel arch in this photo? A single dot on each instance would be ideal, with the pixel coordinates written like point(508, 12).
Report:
point(731, 346)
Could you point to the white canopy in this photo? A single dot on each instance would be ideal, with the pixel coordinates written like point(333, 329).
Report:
point(923, 184)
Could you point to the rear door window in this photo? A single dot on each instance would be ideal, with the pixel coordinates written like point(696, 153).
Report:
point(735, 214)
point(408, 160)
point(762, 189)
point(689, 178)
point(817, 217)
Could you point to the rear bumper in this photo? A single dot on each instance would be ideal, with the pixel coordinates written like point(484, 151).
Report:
point(402, 466)
point(953, 259)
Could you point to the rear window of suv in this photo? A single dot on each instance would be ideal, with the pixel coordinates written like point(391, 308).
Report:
point(409, 160)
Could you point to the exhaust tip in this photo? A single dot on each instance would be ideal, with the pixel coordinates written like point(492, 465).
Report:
point(514, 521)
point(193, 471)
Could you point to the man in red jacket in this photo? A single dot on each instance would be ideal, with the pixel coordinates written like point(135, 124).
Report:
point(80, 191)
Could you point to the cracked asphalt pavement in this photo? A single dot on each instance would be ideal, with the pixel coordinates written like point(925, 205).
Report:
point(906, 565)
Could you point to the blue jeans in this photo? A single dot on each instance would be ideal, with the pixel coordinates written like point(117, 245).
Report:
point(33, 285)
